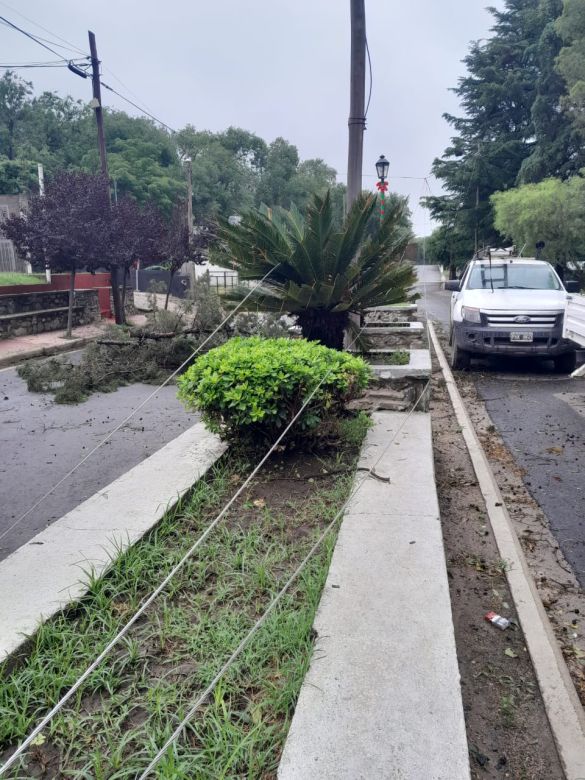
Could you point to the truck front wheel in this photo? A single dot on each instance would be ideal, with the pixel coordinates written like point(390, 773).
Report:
point(460, 359)
point(567, 363)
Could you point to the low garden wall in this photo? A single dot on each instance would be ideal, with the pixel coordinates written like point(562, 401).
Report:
point(83, 281)
point(24, 314)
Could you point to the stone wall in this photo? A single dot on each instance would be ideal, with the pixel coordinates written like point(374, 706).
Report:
point(83, 281)
point(29, 313)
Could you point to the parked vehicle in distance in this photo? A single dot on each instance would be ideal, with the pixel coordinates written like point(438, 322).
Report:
point(514, 306)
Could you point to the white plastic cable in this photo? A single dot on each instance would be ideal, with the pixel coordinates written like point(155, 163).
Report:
point(258, 624)
point(140, 406)
point(124, 630)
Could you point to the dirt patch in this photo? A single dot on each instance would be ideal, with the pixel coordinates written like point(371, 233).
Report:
point(559, 590)
point(507, 728)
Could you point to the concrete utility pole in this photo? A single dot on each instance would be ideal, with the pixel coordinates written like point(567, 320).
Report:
point(41, 174)
point(190, 197)
point(357, 120)
point(97, 102)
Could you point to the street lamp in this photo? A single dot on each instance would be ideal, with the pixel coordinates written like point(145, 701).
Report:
point(382, 167)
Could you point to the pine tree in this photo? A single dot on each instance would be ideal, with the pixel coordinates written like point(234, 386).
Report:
point(523, 101)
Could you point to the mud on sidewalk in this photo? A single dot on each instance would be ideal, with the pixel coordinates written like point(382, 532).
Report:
point(507, 727)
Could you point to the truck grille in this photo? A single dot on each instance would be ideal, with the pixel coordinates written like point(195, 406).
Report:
point(534, 321)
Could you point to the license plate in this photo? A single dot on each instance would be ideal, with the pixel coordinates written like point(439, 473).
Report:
point(526, 336)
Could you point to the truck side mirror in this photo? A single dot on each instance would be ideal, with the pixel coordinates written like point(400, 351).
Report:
point(453, 285)
point(572, 286)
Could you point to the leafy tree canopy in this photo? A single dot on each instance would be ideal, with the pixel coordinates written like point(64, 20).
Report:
point(550, 211)
point(512, 130)
point(233, 170)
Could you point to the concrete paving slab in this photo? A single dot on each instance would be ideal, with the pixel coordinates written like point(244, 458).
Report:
point(47, 574)
point(382, 697)
point(418, 366)
point(397, 327)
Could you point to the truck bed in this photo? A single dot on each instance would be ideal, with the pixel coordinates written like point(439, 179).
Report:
point(574, 325)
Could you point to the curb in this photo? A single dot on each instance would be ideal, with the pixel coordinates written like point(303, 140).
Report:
point(49, 572)
point(563, 708)
point(70, 346)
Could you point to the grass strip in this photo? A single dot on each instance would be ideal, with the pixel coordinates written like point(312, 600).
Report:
point(132, 703)
point(10, 278)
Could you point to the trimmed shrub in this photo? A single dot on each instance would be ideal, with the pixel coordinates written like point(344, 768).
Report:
point(249, 389)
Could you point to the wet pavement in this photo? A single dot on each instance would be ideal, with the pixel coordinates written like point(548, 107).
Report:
point(541, 417)
point(41, 441)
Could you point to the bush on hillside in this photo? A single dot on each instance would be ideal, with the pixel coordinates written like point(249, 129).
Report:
point(249, 389)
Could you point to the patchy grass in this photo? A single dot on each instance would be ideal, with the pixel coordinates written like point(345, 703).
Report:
point(398, 358)
point(131, 704)
point(8, 278)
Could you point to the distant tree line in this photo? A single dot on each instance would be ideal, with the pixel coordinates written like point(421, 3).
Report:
point(522, 133)
point(85, 222)
point(232, 170)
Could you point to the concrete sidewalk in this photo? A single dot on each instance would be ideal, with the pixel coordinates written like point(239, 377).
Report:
point(19, 348)
point(382, 697)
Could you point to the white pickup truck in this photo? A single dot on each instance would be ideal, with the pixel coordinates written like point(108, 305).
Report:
point(512, 306)
point(574, 324)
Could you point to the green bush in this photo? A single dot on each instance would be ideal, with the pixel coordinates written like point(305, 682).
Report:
point(249, 389)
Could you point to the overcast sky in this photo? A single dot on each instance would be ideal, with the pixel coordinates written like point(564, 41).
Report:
point(275, 67)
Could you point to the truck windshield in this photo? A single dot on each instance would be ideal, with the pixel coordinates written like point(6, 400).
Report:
point(512, 277)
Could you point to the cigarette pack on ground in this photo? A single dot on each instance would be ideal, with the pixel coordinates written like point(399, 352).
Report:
point(497, 620)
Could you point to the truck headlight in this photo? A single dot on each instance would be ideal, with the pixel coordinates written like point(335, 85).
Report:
point(470, 314)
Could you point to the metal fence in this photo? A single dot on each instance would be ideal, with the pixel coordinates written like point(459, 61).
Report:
point(225, 280)
point(9, 261)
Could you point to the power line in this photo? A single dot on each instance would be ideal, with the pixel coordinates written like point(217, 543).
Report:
point(106, 86)
point(142, 110)
point(371, 79)
point(70, 45)
point(49, 64)
point(126, 87)
point(29, 35)
point(262, 619)
point(178, 566)
point(133, 412)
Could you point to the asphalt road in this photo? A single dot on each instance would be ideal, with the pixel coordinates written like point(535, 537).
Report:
point(541, 417)
point(40, 441)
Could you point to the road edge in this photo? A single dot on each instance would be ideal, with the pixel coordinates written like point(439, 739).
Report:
point(57, 349)
point(49, 572)
point(563, 708)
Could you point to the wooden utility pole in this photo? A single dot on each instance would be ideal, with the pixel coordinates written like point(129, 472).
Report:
point(99, 120)
point(357, 120)
point(97, 102)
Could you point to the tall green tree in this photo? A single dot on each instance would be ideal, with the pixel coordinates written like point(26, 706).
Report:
point(551, 212)
point(226, 169)
point(282, 162)
point(557, 149)
point(571, 61)
point(512, 130)
point(14, 94)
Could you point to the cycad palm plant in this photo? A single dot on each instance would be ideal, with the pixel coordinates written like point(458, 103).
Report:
point(319, 272)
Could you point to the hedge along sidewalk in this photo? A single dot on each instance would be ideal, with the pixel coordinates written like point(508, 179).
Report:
point(382, 696)
point(49, 572)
